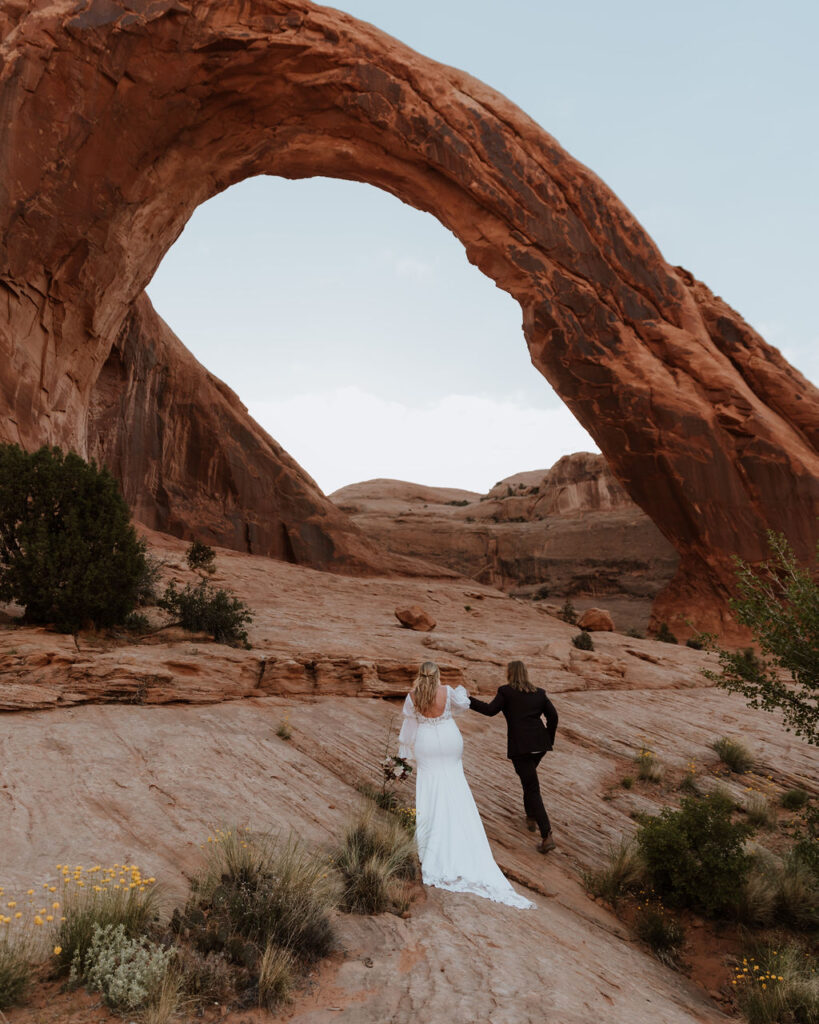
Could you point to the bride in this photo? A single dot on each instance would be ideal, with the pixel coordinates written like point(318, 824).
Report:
point(452, 844)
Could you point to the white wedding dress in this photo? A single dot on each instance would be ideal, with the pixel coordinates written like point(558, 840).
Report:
point(452, 844)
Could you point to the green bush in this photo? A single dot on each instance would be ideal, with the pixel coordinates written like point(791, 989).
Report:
point(200, 557)
point(649, 768)
point(583, 642)
point(635, 633)
point(664, 634)
point(68, 552)
point(568, 613)
point(695, 856)
point(779, 602)
point(148, 583)
point(794, 799)
point(208, 609)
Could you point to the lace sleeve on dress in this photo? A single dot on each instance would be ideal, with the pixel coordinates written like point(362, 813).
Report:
point(458, 700)
point(406, 738)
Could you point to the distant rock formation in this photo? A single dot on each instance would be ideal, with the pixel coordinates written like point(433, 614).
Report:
point(118, 118)
point(570, 531)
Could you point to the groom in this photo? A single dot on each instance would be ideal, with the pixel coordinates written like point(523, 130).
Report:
point(524, 706)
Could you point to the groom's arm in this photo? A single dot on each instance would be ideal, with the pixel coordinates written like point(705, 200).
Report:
point(492, 708)
point(550, 713)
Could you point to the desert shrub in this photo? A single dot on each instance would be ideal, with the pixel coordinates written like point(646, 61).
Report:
point(797, 895)
point(208, 609)
point(15, 967)
point(759, 811)
point(207, 977)
point(794, 799)
point(777, 984)
point(283, 730)
point(757, 899)
point(257, 889)
point(627, 781)
point(583, 642)
point(664, 634)
point(541, 593)
point(695, 856)
point(635, 633)
point(375, 855)
point(779, 602)
point(68, 551)
point(200, 557)
point(623, 872)
point(148, 581)
point(101, 902)
point(129, 973)
point(276, 976)
point(165, 1002)
point(695, 643)
point(568, 613)
point(661, 932)
point(805, 835)
point(136, 622)
point(649, 768)
point(734, 754)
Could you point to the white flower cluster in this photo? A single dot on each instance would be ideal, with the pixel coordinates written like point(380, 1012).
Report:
point(396, 768)
point(128, 972)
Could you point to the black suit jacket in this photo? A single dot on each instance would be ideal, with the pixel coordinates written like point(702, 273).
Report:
point(524, 713)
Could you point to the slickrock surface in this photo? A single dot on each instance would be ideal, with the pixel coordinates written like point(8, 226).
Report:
point(117, 777)
point(117, 118)
point(567, 532)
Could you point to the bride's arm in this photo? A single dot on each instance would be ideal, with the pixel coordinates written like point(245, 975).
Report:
point(458, 699)
point(406, 738)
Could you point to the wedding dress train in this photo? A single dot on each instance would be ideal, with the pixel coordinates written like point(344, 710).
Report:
point(452, 843)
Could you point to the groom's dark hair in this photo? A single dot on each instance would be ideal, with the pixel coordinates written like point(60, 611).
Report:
point(518, 677)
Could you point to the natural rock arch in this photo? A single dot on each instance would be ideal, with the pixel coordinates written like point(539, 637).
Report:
point(118, 118)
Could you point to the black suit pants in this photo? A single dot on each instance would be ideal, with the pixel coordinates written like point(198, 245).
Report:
point(526, 767)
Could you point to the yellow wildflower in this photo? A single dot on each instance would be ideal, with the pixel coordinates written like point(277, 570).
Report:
point(58, 950)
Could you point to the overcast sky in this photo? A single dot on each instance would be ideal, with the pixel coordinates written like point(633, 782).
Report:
point(354, 328)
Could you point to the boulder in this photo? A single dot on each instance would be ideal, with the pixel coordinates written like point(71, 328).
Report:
point(596, 620)
point(415, 617)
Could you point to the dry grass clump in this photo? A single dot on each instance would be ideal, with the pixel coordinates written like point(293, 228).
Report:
point(15, 967)
point(759, 811)
point(649, 768)
point(376, 858)
point(776, 984)
point(779, 892)
point(277, 969)
point(623, 873)
point(734, 754)
point(257, 915)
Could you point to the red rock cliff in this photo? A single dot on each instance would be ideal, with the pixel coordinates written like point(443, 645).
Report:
point(118, 117)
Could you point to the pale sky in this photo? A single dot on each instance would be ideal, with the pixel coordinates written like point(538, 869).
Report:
point(357, 333)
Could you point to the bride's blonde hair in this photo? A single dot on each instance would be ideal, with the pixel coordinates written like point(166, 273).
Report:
point(425, 686)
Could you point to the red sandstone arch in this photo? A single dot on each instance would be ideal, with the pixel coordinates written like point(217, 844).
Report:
point(118, 118)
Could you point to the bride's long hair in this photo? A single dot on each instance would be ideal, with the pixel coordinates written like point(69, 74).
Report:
point(425, 687)
point(518, 677)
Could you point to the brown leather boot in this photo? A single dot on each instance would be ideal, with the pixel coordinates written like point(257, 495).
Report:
point(547, 844)
point(531, 824)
